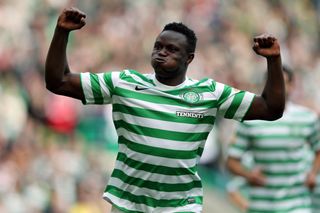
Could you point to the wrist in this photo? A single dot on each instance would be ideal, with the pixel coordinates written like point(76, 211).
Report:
point(247, 175)
point(274, 57)
point(61, 30)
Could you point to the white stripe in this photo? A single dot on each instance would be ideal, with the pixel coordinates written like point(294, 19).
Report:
point(115, 78)
point(219, 90)
point(126, 204)
point(288, 143)
point(131, 102)
point(153, 193)
point(160, 178)
point(288, 167)
point(104, 89)
point(158, 142)
point(244, 106)
point(280, 130)
point(162, 125)
point(157, 161)
point(152, 90)
point(141, 207)
point(137, 78)
point(242, 142)
point(225, 105)
point(235, 152)
point(281, 204)
point(195, 208)
point(86, 85)
point(286, 181)
point(276, 193)
point(209, 82)
point(280, 155)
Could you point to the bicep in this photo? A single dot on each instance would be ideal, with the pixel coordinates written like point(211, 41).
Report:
point(259, 110)
point(70, 86)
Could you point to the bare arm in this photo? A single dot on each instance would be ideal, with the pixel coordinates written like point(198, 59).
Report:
point(271, 103)
point(58, 76)
point(239, 200)
point(311, 179)
point(254, 177)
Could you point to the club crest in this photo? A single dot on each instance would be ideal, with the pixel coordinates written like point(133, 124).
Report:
point(191, 96)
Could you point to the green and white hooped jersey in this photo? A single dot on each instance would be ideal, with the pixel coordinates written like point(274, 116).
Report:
point(279, 149)
point(161, 134)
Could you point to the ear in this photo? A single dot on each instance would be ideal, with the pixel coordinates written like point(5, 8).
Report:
point(190, 58)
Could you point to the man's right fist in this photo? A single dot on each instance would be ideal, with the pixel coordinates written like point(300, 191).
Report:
point(71, 19)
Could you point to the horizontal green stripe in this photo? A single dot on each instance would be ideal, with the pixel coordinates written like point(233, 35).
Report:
point(277, 136)
point(285, 150)
point(163, 187)
point(142, 199)
point(283, 173)
point(242, 135)
point(242, 147)
point(278, 210)
point(155, 151)
point(278, 199)
point(200, 151)
point(157, 99)
point(164, 116)
point(277, 161)
point(191, 88)
point(154, 168)
point(282, 186)
point(163, 134)
point(293, 124)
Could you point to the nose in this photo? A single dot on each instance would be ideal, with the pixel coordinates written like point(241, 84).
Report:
point(162, 52)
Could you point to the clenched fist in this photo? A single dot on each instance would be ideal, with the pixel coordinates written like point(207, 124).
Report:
point(266, 45)
point(71, 19)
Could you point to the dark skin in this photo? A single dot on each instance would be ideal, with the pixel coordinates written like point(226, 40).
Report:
point(170, 61)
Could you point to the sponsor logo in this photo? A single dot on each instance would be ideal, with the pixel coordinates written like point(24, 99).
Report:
point(189, 114)
point(191, 96)
point(191, 200)
point(140, 88)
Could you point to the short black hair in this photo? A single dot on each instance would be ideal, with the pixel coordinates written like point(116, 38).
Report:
point(183, 29)
point(286, 69)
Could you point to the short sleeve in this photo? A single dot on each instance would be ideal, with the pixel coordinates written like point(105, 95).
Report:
point(241, 144)
point(234, 103)
point(98, 87)
point(314, 137)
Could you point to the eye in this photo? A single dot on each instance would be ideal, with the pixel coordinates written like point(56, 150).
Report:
point(172, 49)
point(157, 46)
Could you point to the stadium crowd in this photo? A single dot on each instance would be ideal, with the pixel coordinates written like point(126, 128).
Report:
point(57, 157)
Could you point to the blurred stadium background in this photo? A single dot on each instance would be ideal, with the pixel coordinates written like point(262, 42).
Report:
point(56, 155)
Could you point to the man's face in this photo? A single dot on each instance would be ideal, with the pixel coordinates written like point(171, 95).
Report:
point(169, 56)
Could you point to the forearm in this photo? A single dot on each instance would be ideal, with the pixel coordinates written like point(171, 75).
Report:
point(56, 63)
point(316, 163)
point(235, 166)
point(274, 90)
point(239, 200)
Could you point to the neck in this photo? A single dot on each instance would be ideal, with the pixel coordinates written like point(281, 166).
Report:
point(171, 81)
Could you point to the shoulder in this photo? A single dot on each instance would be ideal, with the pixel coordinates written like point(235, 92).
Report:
point(204, 83)
point(302, 111)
